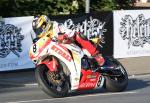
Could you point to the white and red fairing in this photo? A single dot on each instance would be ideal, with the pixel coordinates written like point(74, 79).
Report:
point(44, 47)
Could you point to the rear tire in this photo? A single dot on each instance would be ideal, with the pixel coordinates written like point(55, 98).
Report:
point(47, 86)
point(116, 84)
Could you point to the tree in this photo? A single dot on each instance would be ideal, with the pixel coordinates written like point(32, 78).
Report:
point(105, 5)
point(9, 8)
point(36, 7)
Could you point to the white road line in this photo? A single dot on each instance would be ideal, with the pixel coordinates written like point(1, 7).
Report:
point(33, 84)
point(139, 76)
point(73, 97)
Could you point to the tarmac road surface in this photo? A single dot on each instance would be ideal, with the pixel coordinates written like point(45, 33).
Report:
point(21, 87)
point(138, 91)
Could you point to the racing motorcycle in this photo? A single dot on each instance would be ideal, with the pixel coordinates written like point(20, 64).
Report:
point(65, 68)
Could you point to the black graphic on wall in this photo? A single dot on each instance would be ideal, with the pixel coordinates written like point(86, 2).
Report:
point(10, 39)
point(91, 27)
point(92, 24)
point(136, 31)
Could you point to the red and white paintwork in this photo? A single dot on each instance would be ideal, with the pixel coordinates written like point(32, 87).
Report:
point(44, 47)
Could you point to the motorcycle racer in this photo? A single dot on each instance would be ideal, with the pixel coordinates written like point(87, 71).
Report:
point(43, 26)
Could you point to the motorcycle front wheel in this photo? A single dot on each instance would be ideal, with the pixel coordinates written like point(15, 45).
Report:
point(116, 83)
point(51, 83)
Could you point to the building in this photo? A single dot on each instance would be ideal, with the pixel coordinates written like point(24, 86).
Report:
point(145, 4)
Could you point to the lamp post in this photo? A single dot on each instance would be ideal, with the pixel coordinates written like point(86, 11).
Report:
point(87, 6)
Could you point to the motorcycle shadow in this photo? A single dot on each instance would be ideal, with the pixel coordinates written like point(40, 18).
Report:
point(88, 92)
point(136, 84)
point(133, 84)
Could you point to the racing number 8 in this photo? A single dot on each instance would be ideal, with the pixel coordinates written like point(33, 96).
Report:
point(34, 48)
point(99, 81)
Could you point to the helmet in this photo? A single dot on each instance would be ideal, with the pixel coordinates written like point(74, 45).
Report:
point(41, 25)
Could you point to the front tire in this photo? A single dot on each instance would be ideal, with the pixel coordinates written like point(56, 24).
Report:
point(42, 74)
point(116, 84)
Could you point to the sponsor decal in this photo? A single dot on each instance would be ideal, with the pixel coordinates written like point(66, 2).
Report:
point(136, 31)
point(9, 65)
point(10, 39)
point(91, 76)
point(76, 79)
point(86, 85)
point(62, 53)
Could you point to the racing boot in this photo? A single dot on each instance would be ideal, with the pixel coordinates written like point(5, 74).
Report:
point(100, 60)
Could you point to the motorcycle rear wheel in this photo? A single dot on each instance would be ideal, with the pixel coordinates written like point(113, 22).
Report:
point(116, 84)
point(42, 75)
